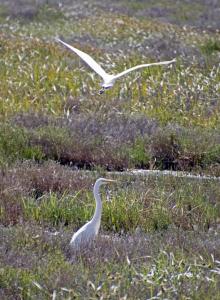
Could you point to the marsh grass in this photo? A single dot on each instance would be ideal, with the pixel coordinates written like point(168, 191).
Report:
point(159, 235)
point(15, 145)
point(112, 142)
point(109, 268)
point(211, 46)
point(53, 90)
point(53, 195)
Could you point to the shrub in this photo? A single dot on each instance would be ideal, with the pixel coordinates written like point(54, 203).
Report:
point(14, 145)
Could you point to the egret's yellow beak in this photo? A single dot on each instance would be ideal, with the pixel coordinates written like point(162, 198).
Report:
point(110, 180)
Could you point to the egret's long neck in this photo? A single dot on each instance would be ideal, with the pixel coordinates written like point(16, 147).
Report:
point(98, 210)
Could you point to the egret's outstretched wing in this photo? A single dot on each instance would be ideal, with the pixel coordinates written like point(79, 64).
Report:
point(88, 59)
point(144, 66)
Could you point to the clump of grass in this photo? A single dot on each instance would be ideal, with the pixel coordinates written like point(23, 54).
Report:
point(210, 47)
point(32, 180)
point(56, 210)
point(212, 156)
point(139, 154)
point(179, 148)
point(165, 149)
point(10, 209)
point(55, 142)
point(14, 145)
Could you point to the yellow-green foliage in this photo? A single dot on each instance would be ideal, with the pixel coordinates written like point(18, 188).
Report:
point(38, 74)
point(161, 233)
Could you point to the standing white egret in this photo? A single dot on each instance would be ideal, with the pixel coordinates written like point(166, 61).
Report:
point(90, 230)
point(108, 79)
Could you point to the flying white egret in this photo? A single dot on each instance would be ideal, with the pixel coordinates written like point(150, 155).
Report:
point(90, 230)
point(108, 79)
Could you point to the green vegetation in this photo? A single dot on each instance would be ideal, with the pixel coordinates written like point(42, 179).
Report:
point(159, 234)
point(42, 80)
point(14, 145)
point(211, 46)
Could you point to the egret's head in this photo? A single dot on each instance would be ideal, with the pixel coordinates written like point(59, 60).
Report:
point(101, 91)
point(104, 87)
point(102, 181)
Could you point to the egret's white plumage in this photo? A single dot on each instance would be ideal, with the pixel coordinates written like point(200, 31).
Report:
point(90, 230)
point(109, 80)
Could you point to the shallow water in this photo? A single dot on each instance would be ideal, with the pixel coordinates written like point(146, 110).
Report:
point(142, 172)
point(165, 173)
